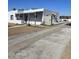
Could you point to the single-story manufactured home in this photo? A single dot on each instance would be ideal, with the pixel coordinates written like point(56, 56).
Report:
point(33, 16)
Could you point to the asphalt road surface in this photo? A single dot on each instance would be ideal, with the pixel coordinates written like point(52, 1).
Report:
point(50, 43)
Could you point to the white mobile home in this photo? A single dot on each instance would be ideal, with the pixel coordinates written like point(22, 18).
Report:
point(33, 16)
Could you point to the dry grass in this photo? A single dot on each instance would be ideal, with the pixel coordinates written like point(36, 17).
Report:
point(23, 29)
point(11, 24)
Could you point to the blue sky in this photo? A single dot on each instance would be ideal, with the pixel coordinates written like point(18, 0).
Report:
point(61, 6)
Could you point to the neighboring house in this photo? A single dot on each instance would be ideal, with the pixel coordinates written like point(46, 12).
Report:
point(33, 16)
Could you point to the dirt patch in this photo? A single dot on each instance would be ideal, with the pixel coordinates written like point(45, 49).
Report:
point(23, 29)
point(67, 52)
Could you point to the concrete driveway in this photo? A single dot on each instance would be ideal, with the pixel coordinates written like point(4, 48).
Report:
point(46, 44)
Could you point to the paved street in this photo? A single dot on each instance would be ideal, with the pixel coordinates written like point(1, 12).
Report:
point(50, 43)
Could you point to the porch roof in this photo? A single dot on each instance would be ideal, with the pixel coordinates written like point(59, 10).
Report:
point(30, 11)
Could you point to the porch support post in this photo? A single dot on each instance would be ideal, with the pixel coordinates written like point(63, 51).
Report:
point(23, 17)
point(28, 19)
point(35, 18)
point(19, 17)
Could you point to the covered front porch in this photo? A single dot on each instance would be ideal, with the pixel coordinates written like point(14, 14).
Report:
point(30, 18)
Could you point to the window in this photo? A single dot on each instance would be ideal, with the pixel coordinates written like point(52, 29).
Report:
point(19, 16)
point(36, 17)
point(11, 17)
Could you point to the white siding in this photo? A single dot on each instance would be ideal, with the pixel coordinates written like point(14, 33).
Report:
point(33, 23)
point(46, 17)
point(14, 19)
